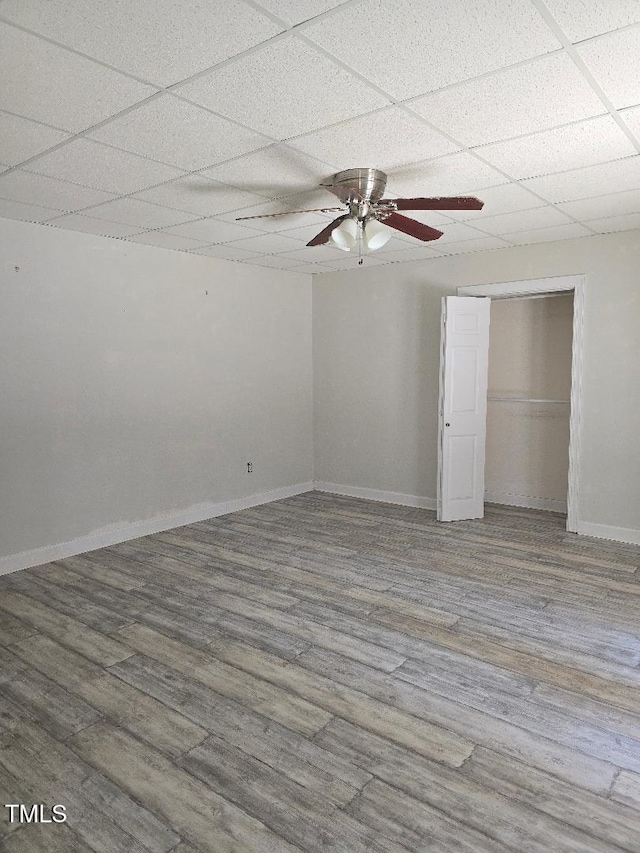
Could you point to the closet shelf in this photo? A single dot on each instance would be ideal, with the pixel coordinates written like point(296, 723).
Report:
point(524, 400)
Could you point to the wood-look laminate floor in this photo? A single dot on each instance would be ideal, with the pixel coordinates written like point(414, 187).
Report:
point(327, 674)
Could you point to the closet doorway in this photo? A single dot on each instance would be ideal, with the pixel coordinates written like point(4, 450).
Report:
point(531, 383)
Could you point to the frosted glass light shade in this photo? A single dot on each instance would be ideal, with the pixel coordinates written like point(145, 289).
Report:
point(376, 235)
point(345, 234)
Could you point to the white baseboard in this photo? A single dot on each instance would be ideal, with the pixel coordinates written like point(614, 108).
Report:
point(113, 534)
point(376, 495)
point(526, 501)
point(605, 531)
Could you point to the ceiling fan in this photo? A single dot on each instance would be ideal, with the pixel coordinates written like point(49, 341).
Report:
point(365, 213)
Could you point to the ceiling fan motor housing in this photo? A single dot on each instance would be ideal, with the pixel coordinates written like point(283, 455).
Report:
point(354, 186)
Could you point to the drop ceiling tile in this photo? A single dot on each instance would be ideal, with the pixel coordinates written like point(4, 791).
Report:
point(305, 232)
point(631, 118)
point(26, 212)
point(409, 48)
point(293, 89)
point(457, 231)
point(295, 11)
point(614, 60)
point(524, 220)
point(313, 269)
point(48, 192)
point(21, 139)
point(350, 262)
point(590, 181)
point(194, 194)
point(316, 254)
point(275, 261)
point(91, 225)
point(178, 133)
point(226, 252)
point(212, 231)
point(545, 93)
point(455, 174)
point(101, 167)
point(582, 144)
point(614, 204)
point(629, 222)
point(272, 172)
point(267, 244)
point(133, 211)
point(49, 84)
point(159, 40)
point(414, 253)
point(507, 198)
point(583, 19)
point(290, 220)
point(548, 235)
point(167, 241)
point(478, 244)
point(384, 140)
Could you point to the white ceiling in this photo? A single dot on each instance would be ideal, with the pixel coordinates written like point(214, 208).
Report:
point(160, 123)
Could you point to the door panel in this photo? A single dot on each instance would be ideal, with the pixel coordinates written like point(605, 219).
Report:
point(463, 407)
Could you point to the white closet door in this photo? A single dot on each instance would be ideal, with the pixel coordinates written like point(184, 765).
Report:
point(462, 428)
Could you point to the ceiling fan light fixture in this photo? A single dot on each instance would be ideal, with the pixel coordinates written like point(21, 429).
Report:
point(346, 234)
point(376, 235)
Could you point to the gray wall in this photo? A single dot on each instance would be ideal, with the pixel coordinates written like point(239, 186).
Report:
point(137, 381)
point(376, 353)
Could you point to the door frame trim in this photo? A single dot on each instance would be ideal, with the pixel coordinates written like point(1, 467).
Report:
point(542, 286)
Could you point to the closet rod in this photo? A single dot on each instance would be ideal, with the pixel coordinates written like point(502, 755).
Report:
point(523, 400)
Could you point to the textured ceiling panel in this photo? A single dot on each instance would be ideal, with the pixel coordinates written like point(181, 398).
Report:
point(582, 19)
point(198, 195)
point(449, 97)
point(614, 60)
point(583, 144)
point(293, 89)
point(47, 83)
point(159, 40)
point(590, 181)
point(546, 235)
point(95, 165)
point(457, 173)
point(385, 139)
point(409, 48)
point(545, 93)
point(616, 223)
point(295, 11)
point(212, 231)
point(48, 192)
point(523, 220)
point(271, 172)
point(180, 134)
point(21, 138)
point(614, 204)
point(132, 211)
point(91, 225)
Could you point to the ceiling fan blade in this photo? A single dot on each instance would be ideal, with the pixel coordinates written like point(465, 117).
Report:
point(289, 212)
point(411, 227)
point(438, 203)
point(325, 234)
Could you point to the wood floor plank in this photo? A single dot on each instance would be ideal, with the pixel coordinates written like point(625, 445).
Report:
point(198, 813)
point(102, 815)
point(326, 674)
point(570, 804)
point(137, 711)
point(255, 692)
point(425, 738)
point(70, 632)
point(304, 818)
point(283, 749)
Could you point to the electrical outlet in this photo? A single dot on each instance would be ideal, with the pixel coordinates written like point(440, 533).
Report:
point(249, 467)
